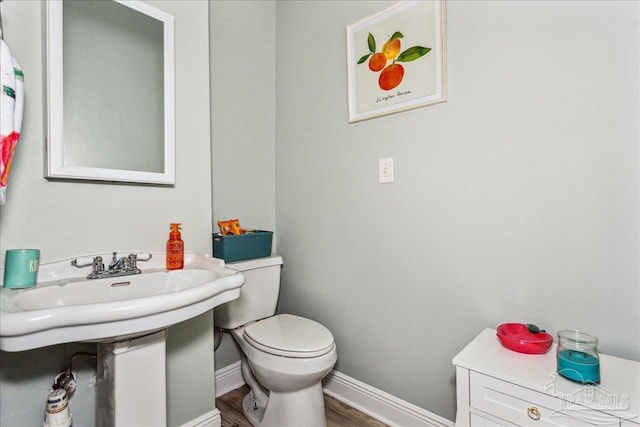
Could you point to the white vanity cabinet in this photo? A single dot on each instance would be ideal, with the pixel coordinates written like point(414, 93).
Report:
point(499, 387)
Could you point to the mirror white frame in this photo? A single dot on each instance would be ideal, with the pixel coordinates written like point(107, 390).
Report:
point(54, 115)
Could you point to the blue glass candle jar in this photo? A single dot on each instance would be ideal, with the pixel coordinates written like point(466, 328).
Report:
point(577, 355)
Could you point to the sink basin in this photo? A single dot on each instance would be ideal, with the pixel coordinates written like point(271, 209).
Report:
point(98, 291)
point(66, 307)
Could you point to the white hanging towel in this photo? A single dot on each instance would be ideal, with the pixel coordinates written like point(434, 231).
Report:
point(11, 107)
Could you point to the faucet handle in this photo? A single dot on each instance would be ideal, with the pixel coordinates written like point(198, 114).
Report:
point(134, 258)
point(143, 256)
point(82, 261)
point(96, 263)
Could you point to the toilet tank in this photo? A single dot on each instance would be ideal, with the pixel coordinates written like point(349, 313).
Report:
point(258, 296)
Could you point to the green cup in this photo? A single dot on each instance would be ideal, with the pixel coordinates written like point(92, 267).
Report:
point(21, 268)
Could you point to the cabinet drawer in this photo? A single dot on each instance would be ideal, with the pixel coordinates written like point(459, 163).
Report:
point(526, 407)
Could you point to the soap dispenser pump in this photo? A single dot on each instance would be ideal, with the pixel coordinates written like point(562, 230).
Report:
point(175, 248)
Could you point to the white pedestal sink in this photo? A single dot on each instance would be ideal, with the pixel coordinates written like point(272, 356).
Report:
point(131, 382)
point(126, 315)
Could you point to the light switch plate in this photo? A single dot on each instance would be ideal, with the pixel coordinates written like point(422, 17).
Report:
point(385, 170)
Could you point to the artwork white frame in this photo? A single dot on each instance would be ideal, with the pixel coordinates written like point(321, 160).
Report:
point(419, 24)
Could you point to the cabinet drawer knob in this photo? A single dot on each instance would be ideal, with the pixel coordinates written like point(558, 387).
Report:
point(533, 413)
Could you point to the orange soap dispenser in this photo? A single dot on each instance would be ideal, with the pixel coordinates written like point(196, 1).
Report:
point(175, 248)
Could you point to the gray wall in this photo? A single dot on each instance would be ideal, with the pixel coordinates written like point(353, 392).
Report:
point(517, 200)
point(66, 219)
point(243, 122)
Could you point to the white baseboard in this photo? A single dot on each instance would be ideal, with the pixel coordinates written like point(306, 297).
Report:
point(210, 419)
point(370, 400)
point(228, 379)
point(379, 404)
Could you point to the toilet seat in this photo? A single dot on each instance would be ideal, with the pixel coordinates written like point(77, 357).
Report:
point(290, 336)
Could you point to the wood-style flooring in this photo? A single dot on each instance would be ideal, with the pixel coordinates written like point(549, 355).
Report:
point(338, 413)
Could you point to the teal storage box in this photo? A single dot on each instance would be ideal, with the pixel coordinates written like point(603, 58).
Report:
point(230, 248)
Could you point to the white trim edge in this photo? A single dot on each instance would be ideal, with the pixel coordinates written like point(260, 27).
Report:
point(365, 398)
point(228, 379)
point(379, 404)
point(210, 419)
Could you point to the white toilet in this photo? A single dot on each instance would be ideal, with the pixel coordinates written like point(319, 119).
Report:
point(285, 357)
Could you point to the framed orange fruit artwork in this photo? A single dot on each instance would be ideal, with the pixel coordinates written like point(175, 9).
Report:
point(396, 59)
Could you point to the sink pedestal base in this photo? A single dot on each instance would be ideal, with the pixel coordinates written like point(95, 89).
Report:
point(131, 382)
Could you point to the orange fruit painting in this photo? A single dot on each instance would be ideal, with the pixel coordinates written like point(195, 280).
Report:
point(390, 75)
point(377, 61)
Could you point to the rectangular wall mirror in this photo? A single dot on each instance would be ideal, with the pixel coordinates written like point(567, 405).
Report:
point(109, 91)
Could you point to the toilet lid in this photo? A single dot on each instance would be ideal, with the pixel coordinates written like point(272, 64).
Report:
point(289, 335)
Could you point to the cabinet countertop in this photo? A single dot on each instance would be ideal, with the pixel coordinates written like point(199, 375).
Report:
point(618, 394)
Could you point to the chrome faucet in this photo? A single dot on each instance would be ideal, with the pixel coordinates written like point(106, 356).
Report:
point(119, 264)
point(123, 266)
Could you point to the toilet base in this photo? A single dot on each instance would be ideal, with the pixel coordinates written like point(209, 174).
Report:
point(292, 409)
